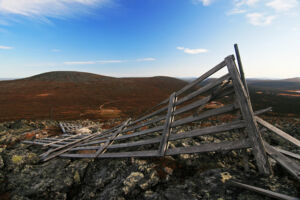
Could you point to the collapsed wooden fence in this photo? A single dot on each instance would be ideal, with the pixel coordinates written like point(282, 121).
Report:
point(203, 107)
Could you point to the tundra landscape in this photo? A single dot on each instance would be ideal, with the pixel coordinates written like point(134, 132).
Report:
point(154, 100)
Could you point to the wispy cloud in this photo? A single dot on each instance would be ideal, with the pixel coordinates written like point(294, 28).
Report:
point(6, 47)
point(259, 19)
point(107, 61)
point(239, 3)
point(192, 51)
point(48, 8)
point(80, 62)
point(56, 50)
point(236, 11)
point(204, 2)
point(145, 59)
point(282, 5)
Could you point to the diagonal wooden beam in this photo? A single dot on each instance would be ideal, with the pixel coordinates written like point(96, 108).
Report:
point(248, 115)
point(167, 128)
point(279, 132)
point(103, 148)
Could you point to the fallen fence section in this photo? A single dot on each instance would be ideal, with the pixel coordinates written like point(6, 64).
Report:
point(206, 106)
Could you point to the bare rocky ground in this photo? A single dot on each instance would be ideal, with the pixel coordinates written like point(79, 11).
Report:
point(187, 176)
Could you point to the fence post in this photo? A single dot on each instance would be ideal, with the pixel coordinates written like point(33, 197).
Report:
point(167, 128)
point(247, 113)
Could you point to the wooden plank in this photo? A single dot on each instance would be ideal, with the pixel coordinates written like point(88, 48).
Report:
point(152, 153)
point(172, 137)
point(265, 192)
point(278, 131)
point(203, 89)
point(61, 140)
point(222, 146)
point(247, 113)
point(206, 114)
point(239, 60)
point(200, 102)
point(167, 127)
point(39, 143)
point(111, 140)
point(209, 130)
point(288, 153)
point(67, 147)
point(144, 124)
point(150, 115)
point(259, 112)
point(291, 166)
point(194, 83)
point(62, 127)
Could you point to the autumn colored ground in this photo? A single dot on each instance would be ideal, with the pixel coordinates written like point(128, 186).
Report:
point(78, 95)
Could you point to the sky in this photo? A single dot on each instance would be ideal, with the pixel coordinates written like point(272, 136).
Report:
point(134, 38)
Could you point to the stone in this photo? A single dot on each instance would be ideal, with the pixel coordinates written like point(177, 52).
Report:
point(131, 181)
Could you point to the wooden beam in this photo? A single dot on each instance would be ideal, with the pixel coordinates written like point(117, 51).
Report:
point(291, 166)
point(288, 153)
point(247, 113)
point(239, 60)
point(194, 83)
point(262, 111)
point(268, 193)
point(111, 140)
point(172, 137)
point(279, 132)
point(222, 146)
point(206, 114)
point(167, 127)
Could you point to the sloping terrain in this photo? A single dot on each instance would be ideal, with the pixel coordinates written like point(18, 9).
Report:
point(78, 95)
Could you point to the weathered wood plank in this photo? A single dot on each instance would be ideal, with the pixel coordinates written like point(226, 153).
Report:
point(167, 127)
point(247, 113)
point(152, 153)
point(222, 146)
point(204, 115)
point(194, 83)
point(111, 140)
point(288, 153)
point(61, 140)
point(292, 167)
point(203, 89)
point(278, 131)
point(173, 136)
point(209, 130)
point(238, 57)
point(62, 149)
point(259, 112)
point(62, 127)
point(147, 123)
point(268, 193)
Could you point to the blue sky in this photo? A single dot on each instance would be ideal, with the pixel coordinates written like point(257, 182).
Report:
point(180, 38)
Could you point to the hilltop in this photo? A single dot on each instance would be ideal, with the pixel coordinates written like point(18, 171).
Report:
point(79, 95)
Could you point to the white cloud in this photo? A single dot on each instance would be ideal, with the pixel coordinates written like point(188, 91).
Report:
point(191, 51)
point(204, 2)
point(110, 61)
point(236, 11)
point(47, 8)
point(239, 3)
point(282, 5)
point(80, 63)
point(6, 47)
point(145, 59)
point(107, 61)
point(259, 19)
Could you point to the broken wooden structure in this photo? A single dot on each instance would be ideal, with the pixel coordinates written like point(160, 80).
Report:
point(206, 106)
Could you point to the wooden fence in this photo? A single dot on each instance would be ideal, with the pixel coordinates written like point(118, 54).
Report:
point(206, 106)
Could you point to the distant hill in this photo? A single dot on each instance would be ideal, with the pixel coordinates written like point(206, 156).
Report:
point(75, 95)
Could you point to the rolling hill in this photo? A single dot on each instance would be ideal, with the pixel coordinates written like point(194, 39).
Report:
point(79, 95)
